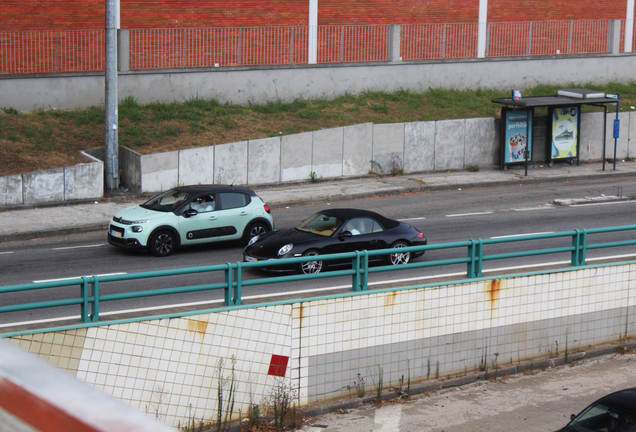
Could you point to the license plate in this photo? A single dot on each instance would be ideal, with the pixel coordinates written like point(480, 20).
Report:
point(249, 259)
point(116, 234)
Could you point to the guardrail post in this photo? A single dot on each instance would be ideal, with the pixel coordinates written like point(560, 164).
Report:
point(355, 278)
point(237, 288)
point(228, 286)
point(84, 294)
point(364, 282)
point(95, 295)
point(475, 253)
point(579, 242)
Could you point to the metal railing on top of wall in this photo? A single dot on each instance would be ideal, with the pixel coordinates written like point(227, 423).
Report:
point(45, 51)
point(90, 297)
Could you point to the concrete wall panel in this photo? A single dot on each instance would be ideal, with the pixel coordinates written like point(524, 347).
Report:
point(43, 186)
point(327, 152)
point(11, 190)
point(388, 148)
point(263, 161)
point(295, 158)
point(480, 147)
point(591, 139)
point(419, 146)
point(159, 171)
point(357, 149)
point(449, 144)
point(84, 181)
point(230, 163)
point(196, 166)
point(631, 149)
point(130, 167)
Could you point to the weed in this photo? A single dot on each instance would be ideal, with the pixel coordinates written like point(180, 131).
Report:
point(566, 346)
point(376, 168)
point(396, 167)
point(359, 386)
point(428, 368)
point(281, 405)
point(378, 394)
point(472, 167)
point(314, 177)
point(9, 110)
point(162, 398)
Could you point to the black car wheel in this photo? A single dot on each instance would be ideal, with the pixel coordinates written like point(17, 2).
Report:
point(162, 244)
point(253, 230)
point(397, 258)
point(311, 267)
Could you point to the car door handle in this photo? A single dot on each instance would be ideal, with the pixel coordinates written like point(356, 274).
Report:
point(212, 217)
point(243, 213)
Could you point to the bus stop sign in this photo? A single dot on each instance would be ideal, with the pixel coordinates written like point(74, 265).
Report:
point(617, 127)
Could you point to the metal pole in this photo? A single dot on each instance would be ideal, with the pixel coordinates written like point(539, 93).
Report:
point(618, 98)
point(111, 162)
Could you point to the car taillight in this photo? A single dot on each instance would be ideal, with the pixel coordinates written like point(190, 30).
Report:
point(266, 207)
point(420, 235)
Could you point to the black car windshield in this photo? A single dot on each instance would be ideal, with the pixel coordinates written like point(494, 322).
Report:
point(603, 418)
point(320, 224)
point(167, 201)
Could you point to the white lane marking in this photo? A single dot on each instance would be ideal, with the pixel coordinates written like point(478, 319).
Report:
point(411, 219)
point(603, 203)
point(49, 320)
point(76, 277)
point(388, 417)
point(5, 253)
point(533, 209)
point(469, 214)
point(520, 235)
point(79, 247)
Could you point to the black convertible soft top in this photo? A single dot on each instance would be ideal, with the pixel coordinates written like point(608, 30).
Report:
point(348, 213)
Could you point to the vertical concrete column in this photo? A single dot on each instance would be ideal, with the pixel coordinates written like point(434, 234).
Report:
point(614, 37)
point(123, 50)
point(482, 32)
point(395, 32)
point(629, 26)
point(313, 32)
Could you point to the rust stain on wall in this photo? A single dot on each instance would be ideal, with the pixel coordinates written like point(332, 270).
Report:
point(492, 291)
point(389, 299)
point(198, 327)
point(302, 313)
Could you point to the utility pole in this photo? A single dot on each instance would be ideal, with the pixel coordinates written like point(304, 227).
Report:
point(111, 156)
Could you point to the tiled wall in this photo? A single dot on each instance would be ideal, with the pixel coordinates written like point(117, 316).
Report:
point(169, 368)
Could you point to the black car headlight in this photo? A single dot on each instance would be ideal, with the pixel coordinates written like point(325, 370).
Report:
point(285, 249)
point(253, 240)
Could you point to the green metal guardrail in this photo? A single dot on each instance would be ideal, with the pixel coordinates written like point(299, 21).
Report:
point(90, 298)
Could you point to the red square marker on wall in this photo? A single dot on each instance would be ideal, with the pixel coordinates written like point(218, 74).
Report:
point(278, 365)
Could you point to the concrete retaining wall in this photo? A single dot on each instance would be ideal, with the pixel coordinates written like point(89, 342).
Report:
point(78, 182)
point(169, 368)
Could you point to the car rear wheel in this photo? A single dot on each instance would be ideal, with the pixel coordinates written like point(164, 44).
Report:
point(257, 228)
point(310, 267)
point(162, 244)
point(397, 258)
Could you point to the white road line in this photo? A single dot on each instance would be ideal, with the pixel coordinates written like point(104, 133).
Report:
point(412, 219)
point(521, 235)
point(75, 277)
point(79, 247)
point(533, 209)
point(209, 302)
point(604, 203)
point(5, 253)
point(469, 214)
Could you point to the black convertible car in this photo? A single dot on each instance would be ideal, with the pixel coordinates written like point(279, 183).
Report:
point(615, 412)
point(336, 231)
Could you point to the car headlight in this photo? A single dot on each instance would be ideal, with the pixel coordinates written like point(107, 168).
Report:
point(253, 240)
point(285, 249)
point(139, 222)
point(137, 229)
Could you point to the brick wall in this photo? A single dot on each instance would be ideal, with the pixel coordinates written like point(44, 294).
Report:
point(85, 14)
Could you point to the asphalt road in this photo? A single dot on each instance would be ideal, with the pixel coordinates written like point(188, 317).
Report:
point(540, 401)
point(446, 216)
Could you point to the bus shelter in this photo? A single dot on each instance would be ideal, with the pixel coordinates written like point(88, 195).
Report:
point(564, 125)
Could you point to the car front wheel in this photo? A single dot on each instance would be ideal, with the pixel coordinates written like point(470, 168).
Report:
point(311, 267)
point(162, 244)
point(257, 228)
point(397, 258)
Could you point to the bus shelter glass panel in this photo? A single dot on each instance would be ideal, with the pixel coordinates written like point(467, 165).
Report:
point(565, 132)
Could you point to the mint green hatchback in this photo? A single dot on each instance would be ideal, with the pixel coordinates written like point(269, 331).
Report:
point(189, 215)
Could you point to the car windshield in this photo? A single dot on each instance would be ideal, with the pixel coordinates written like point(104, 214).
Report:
point(320, 224)
point(603, 418)
point(167, 201)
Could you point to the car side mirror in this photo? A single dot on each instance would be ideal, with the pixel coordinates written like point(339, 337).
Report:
point(345, 234)
point(190, 212)
point(572, 417)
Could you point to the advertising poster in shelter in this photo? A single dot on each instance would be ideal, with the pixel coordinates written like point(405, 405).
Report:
point(518, 135)
point(565, 132)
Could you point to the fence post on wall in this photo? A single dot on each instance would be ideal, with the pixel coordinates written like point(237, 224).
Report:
point(571, 33)
point(95, 295)
point(614, 37)
point(579, 243)
point(530, 40)
point(228, 284)
point(393, 49)
point(123, 50)
point(84, 306)
point(475, 253)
